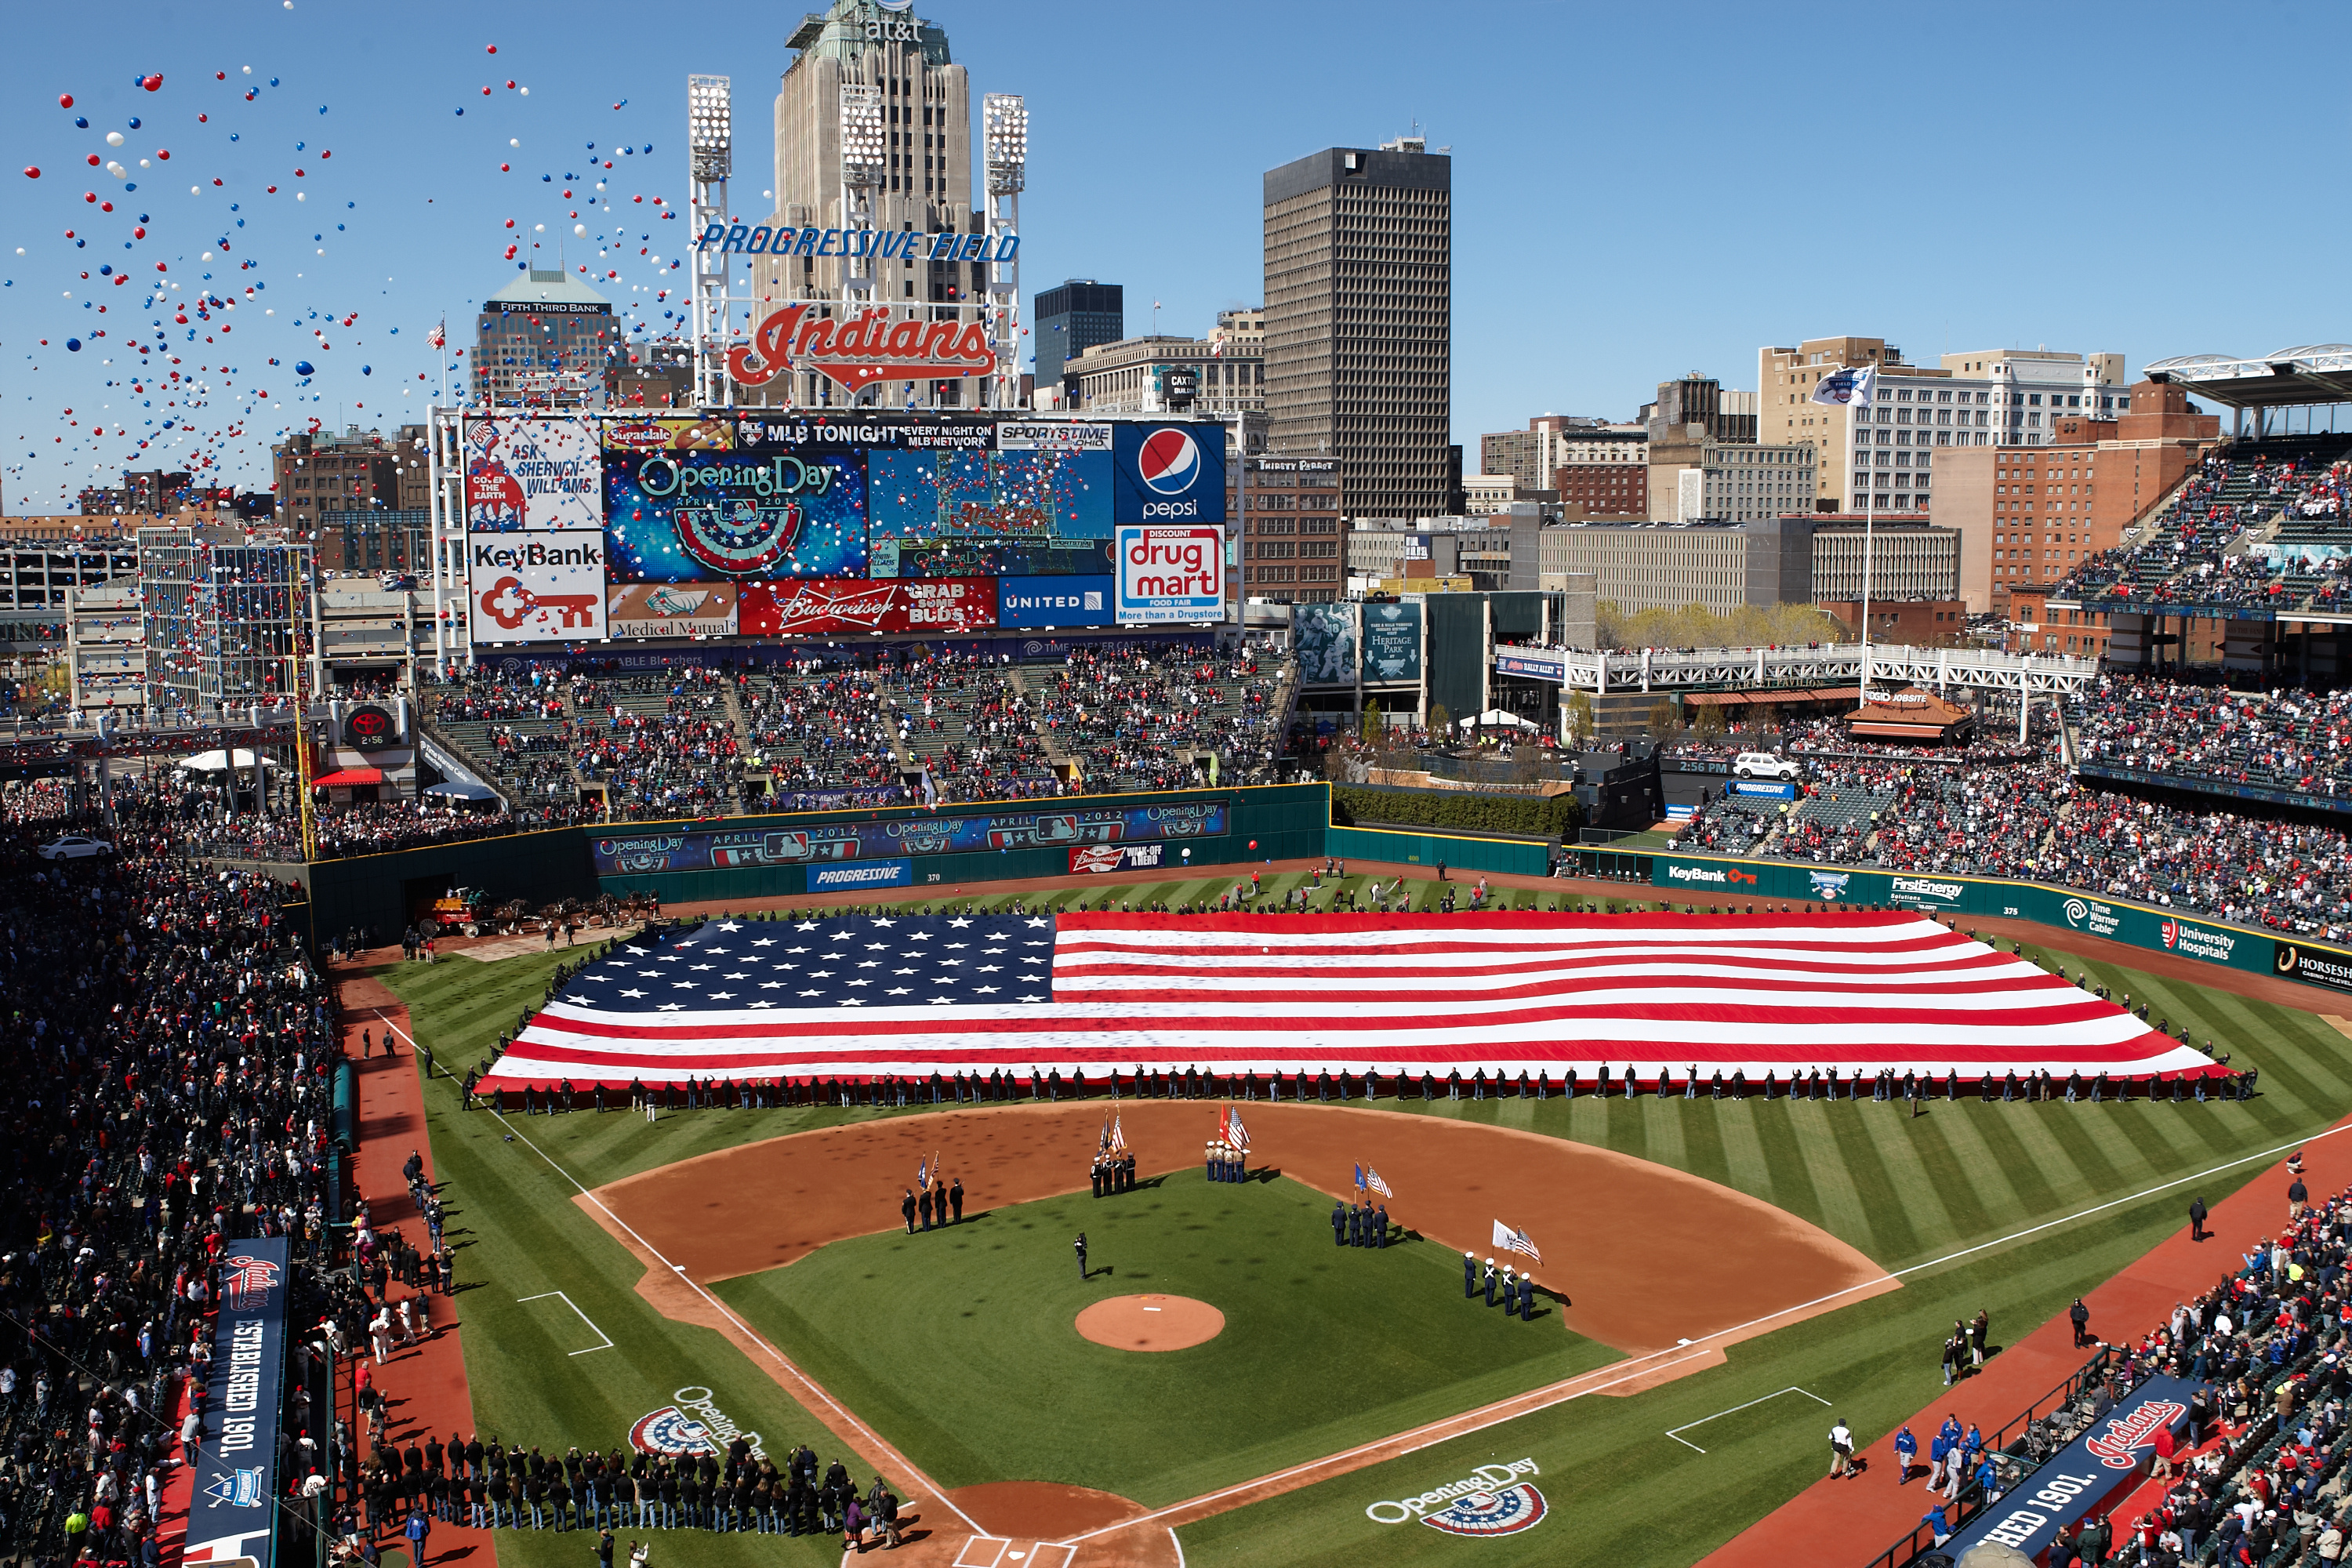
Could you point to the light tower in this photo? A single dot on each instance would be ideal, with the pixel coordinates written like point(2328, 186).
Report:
point(711, 150)
point(1005, 136)
point(861, 172)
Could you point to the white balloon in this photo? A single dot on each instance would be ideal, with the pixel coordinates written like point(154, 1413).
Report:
point(115, 169)
point(114, 138)
point(579, 229)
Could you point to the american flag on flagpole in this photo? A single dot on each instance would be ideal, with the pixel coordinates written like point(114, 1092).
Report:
point(1235, 1133)
point(1509, 1239)
point(864, 996)
point(1372, 1180)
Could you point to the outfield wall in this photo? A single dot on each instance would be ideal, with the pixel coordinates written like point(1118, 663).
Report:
point(1706, 877)
point(1517, 857)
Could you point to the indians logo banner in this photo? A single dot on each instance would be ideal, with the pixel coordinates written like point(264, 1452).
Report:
point(1505, 1512)
point(670, 1430)
point(2117, 1447)
point(862, 350)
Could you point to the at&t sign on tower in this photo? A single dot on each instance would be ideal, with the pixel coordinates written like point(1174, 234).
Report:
point(877, 281)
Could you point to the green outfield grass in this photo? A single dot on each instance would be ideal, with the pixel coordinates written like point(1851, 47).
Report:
point(1905, 1192)
point(959, 1346)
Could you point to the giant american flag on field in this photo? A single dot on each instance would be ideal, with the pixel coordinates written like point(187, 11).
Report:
point(863, 995)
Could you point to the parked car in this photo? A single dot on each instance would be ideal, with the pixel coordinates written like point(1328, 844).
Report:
point(1763, 766)
point(74, 847)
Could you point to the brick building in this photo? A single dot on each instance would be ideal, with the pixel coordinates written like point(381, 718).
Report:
point(315, 473)
point(1290, 552)
point(2028, 515)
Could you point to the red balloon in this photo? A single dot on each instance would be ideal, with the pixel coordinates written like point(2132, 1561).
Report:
point(32, 173)
point(152, 83)
point(65, 101)
point(494, 48)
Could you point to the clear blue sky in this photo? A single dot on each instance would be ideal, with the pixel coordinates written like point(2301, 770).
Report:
point(1638, 191)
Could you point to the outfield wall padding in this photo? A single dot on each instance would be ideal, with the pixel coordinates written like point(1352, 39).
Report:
point(1702, 879)
point(1516, 857)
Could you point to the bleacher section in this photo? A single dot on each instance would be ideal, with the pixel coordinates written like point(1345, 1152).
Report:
point(2263, 525)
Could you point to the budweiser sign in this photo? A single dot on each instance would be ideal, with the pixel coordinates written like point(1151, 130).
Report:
point(818, 606)
point(861, 349)
point(2125, 1434)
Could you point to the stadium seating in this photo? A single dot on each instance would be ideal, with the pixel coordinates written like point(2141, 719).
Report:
point(2241, 532)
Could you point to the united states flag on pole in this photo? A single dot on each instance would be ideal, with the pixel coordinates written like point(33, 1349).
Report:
point(1509, 1239)
point(1372, 1180)
point(863, 996)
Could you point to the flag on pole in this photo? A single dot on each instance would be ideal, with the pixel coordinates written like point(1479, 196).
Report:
point(1360, 1177)
point(1852, 388)
point(438, 335)
point(1372, 1180)
point(1105, 1144)
point(1509, 1240)
point(922, 1173)
point(1235, 1133)
point(1118, 1131)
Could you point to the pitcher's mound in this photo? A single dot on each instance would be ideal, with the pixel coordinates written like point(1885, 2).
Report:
point(1151, 1323)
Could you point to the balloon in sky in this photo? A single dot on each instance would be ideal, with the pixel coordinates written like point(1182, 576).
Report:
point(301, 367)
point(73, 345)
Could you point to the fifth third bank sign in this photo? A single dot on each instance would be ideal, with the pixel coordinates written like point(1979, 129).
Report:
point(1169, 574)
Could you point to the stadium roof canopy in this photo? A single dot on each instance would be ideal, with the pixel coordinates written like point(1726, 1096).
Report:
point(2311, 373)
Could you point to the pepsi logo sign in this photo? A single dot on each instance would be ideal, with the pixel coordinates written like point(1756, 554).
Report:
point(1169, 462)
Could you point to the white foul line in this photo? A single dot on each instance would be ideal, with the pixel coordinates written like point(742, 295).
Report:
point(568, 1302)
point(719, 1307)
point(1734, 1411)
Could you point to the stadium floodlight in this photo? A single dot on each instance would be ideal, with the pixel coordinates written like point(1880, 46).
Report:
point(709, 125)
point(1004, 135)
point(861, 133)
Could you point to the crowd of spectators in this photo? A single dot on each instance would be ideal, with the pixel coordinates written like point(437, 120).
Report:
point(1140, 718)
point(2288, 739)
point(2208, 545)
point(173, 1052)
point(1997, 811)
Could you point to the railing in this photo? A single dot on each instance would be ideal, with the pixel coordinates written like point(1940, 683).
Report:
point(2192, 783)
point(1649, 670)
point(1971, 1501)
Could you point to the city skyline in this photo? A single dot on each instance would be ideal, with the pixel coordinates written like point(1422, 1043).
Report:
point(1609, 233)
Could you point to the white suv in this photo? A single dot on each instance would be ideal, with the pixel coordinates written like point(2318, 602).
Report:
point(1762, 765)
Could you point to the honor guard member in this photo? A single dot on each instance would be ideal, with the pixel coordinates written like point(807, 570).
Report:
point(923, 1205)
point(1355, 1225)
point(939, 1199)
point(1527, 1298)
point(1095, 1175)
point(1130, 1169)
point(1209, 1159)
point(1339, 1223)
point(955, 1199)
point(1490, 1281)
point(1510, 1291)
point(907, 1208)
point(1380, 1226)
point(1469, 1274)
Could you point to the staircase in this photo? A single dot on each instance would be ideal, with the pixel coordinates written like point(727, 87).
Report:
point(739, 730)
point(1050, 738)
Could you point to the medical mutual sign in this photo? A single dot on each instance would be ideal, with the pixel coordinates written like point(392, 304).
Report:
point(1169, 574)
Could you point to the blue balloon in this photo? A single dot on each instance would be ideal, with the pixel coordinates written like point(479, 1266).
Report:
point(73, 345)
point(301, 367)
point(367, 370)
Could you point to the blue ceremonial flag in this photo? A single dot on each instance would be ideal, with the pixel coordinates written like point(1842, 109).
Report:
point(1360, 1177)
point(1854, 386)
point(922, 1173)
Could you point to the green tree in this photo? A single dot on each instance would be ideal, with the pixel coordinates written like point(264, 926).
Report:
point(1440, 720)
point(1662, 717)
point(1374, 729)
point(1580, 715)
point(1709, 723)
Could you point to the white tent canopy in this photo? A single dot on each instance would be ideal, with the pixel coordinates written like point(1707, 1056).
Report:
point(219, 762)
point(1493, 717)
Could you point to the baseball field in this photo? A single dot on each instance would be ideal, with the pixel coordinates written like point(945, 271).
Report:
point(1723, 1278)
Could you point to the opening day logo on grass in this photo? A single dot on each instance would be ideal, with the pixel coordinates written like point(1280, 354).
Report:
point(1487, 1502)
point(695, 1425)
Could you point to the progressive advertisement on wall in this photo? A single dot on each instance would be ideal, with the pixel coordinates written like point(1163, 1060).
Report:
point(543, 585)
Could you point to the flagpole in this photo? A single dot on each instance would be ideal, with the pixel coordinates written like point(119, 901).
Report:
point(1869, 516)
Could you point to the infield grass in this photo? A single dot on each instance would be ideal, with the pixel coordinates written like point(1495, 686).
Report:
point(1905, 1192)
point(1324, 1346)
